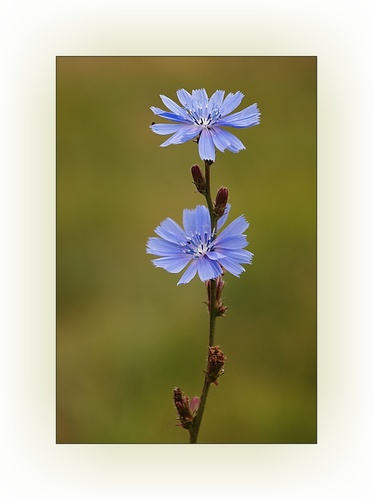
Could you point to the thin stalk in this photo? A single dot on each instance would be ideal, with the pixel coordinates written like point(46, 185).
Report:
point(212, 309)
point(197, 419)
point(212, 312)
point(208, 197)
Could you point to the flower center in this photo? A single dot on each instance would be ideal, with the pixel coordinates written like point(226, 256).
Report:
point(198, 246)
point(202, 249)
point(203, 116)
point(205, 122)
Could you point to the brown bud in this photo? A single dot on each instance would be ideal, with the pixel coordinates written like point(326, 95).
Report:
point(186, 411)
point(198, 179)
point(221, 201)
point(220, 308)
point(215, 364)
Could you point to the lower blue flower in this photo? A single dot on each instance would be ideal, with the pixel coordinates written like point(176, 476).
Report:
point(206, 253)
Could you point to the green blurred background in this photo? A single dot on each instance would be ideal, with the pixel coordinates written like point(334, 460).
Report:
point(126, 334)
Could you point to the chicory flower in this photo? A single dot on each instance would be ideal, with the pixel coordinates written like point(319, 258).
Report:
point(202, 118)
point(206, 253)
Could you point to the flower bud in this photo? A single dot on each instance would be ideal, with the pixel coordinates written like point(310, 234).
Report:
point(215, 364)
point(221, 201)
point(186, 411)
point(220, 308)
point(198, 178)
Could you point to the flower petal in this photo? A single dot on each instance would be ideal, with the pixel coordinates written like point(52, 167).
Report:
point(185, 98)
point(202, 220)
point(215, 255)
point(170, 231)
point(183, 134)
point(172, 264)
point(248, 117)
point(171, 116)
point(200, 98)
point(238, 226)
point(189, 273)
point(189, 222)
point(233, 267)
point(165, 128)
point(240, 256)
point(224, 217)
point(206, 147)
point(217, 98)
point(162, 248)
point(208, 269)
point(230, 103)
point(219, 139)
point(175, 108)
point(157, 111)
point(225, 140)
point(235, 242)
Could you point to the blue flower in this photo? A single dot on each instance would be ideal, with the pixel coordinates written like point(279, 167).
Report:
point(206, 253)
point(204, 117)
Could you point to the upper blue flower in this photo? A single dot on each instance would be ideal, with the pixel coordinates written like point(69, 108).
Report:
point(204, 117)
point(207, 253)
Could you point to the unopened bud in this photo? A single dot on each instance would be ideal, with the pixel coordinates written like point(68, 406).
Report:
point(220, 308)
point(221, 201)
point(198, 179)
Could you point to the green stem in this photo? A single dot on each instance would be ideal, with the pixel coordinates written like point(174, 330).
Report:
point(212, 312)
point(197, 419)
point(212, 309)
point(210, 205)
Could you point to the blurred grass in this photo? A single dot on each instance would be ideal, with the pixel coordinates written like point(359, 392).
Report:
point(126, 335)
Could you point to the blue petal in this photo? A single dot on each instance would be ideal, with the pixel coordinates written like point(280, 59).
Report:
point(157, 111)
point(206, 147)
point(226, 140)
point(208, 269)
point(200, 103)
point(165, 128)
point(202, 220)
point(184, 133)
point(189, 273)
point(239, 256)
point(236, 227)
point(189, 222)
point(170, 231)
point(215, 255)
point(162, 248)
point(224, 217)
point(230, 103)
point(232, 267)
point(235, 242)
point(219, 139)
point(217, 98)
point(248, 117)
point(185, 98)
point(200, 98)
point(175, 108)
point(171, 116)
point(172, 264)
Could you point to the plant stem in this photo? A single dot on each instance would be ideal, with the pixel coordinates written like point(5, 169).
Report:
point(212, 312)
point(197, 419)
point(208, 196)
point(212, 309)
